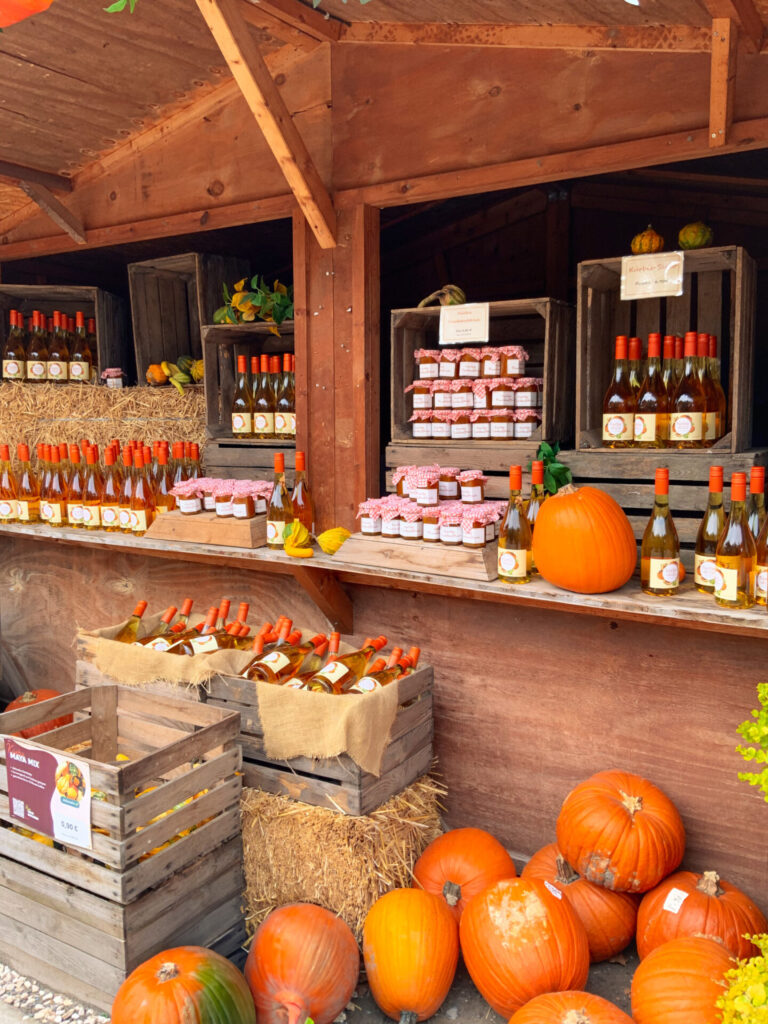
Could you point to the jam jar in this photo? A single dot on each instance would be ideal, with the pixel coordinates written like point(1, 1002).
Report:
point(501, 423)
point(441, 423)
point(472, 484)
point(442, 394)
point(450, 527)
point(448, 485)
point(431, 523)
point(526, 421)
point(490, 364)
point(428, 362)
point(462, 396)
point(469, 363)
point(481, 424)
point(461, 427)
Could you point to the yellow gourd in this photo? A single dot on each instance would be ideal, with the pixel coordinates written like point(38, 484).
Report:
point(647, 241)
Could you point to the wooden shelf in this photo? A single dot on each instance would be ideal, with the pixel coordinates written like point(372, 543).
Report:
point(321, 577)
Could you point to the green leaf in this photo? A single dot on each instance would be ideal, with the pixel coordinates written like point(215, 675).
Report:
point(545, 451)
point(227, 296)
point(118, 5)
point(550, 483)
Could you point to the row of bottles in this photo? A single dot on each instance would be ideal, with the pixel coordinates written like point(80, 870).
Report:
point(515, 558)
point(59, 348)
point(264, 401)
point(674, 402)
point(283, 508)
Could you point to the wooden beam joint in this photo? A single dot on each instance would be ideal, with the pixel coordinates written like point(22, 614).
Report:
point(328, 594)
point(722, 80)
point(56, 210)
point(16, 173)
point(745, 15)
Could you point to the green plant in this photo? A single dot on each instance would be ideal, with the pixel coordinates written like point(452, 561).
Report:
point(556, 473)
point(746, 1001)
point(255, 300)
point(756, 732)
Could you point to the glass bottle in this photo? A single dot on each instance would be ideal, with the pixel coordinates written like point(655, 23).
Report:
point(761, 566)
point(291, 428)
point(756, 502)
point(651, 410)
point(193, 642)
point(93, 348)
point(164, 500)
point(92, 491)
point(710, 529)
point(65, 465)
point(381, 673)
point(126, 490)
point(80, 358)
point(142, 499)
point(736, 552)
point(9, 491)
point(130, 630)
point(194, 461)
point(283, 662)
point(301, 498)
point(514, 555)
point(345, 669)
point(660, 548)
point(279, 513)
point(679, 363)
point(689, 405)
point(263, 403)
point(242, 402)
point(56, 493)
point(37, 351)
point(110, 493)
point(711, 400)
point(284, 402)
point(58, 352)
point(668, 372)
point(161, 638)
point(28, 504)
point(635, 353)
point(619, 402)
point(713, 365)
point(44, 476)
point(75, 489)
point(536, 500)
point(14, 350)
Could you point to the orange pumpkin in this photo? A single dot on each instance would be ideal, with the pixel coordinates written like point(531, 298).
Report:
point(183, 985)
point(519, 940)
point(13, 11)
point(570, 1008)
point(460, 864)
point(410, 949)
point(608, 917)
point(680, 982)
point(26, 700)
point(620, 831)
point(303, 962)
point(583, 541)
point(687, 903)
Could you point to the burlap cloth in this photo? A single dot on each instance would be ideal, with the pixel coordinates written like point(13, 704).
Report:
point(296, 723)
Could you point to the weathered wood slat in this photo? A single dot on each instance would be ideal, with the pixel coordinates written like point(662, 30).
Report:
point(438, 559)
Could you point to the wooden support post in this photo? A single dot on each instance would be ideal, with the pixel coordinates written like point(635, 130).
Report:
point(328, 594)
point(722, 79)
point(56, 210)
point(744, 14)
point(558, 250)
point(230, 31)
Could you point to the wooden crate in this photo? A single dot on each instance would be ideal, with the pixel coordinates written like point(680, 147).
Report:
point(171, 298)
point(337, 782)
point(109, 311)
point(421, 556)
point(208, 528)
point(718, 298)
point(95, 915)
point(87, 674)
point(233, 459)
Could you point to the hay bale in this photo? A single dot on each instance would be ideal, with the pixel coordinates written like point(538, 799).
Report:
point(297, 853)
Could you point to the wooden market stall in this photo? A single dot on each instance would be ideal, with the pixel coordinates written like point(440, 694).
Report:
point(363, 139)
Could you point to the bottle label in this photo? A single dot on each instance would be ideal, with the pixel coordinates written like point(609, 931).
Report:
point(125, 518)
point(526, 399)
point(37, 370)
point(726, 583)
point(51, 512)
point(281, 423)
point(189, 506)
point(502, 399)
point(686, 426)
point(462, 400)
point(450, 534)
point(334, 672)
point(704, 570)
point(448, 488)
point(23, 510)
point(491, 367)
point(264, 422)
point(512, 563)
point(74, 513)
point(78, 371)
point(91, 515)
point(203, 644)
point(461, 431)
point(618, 427)
point(8, 508)
point(710, 426)
point(139, 521)
point(471, 495)
point(664, 573)
point(431, 531)
point(276, 531)
point(291, 424)
point(242, 423)
point(514, 367)
point(761, 583)
point(110, 515)
point(224, 507)
point(474, 536)
point(469, 368)
point(57, 370)
point(160, 643)
point(366, 685)
point(275, 661)
point(645, 426)
point(14, 369)
point(428, 371)
point(447, 369)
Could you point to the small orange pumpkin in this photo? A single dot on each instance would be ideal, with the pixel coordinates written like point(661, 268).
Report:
point(647, 241)
point(31, 697)
point(570, 1008)
point(680, 983)
point(155, 375)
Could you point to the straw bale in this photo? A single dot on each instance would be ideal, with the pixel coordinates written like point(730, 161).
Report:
point(297, 853)
point(55, 413)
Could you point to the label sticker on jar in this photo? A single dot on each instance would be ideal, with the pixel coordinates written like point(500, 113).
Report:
point(645, 426)
point(525, 429)
point(422, 429)
point(450, 534)
point(431, 531)
point(190, 505)
point(664, 573)
point(501, 428)
point(448, 488)
point(469, 368)
point(686, 426)
point(675, 899)
point(471, 494)
point(513, 367)
point(502, 398)
point(224, 507)
point(481, 429)
point(447, 368)
point(512, 563)
point(411, 531)
point(704, 569)
point(442, 399)
point(527, 399)
point(428, 371)
point(14, 369)
point(726, 582)
point(461, 431)
point(440, 429)
point(462, 400)
point(422, 401)
point(370, 525)
point(473, 537)
point(390, 527)
point(618, 427)
point(241, 423)
point(491, 367)
point(426, 495)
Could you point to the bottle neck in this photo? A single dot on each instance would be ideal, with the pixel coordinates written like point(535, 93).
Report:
point(661, 504)
point(738, 511)
point(620, 370)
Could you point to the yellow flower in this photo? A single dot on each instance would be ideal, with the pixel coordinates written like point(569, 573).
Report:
point(240, 286)
point(244, 306)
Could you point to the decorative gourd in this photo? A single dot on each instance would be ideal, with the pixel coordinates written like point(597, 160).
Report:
point(13, 11)
point(410, 949)
point(680, 982)
point(696, 235)
point(687, 903)
point(461, 863)
point(570, 1008)
point(519, 940)
point(303, 962)
point(583, 541)
point(185, 363)
point(155, 375)
point(647, 241)
point(608, 917)
point(620, 831)
point(31, 697)
point(184, 985)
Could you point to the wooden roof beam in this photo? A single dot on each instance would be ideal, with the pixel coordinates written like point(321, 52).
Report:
point(302, 18)
point(56, 210)
point(258, 17)
point(230, 31)
point(16, 173)
point(722, 80)
point(745, 15)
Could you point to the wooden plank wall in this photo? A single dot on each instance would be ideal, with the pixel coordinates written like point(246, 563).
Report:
point(527, 702)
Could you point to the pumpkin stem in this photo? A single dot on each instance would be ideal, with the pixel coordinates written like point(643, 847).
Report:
point(408, 1016)
point(564, 872)
point(28, 697)
point(576, 1017)
point(168, 971)
point(708, 884)
point(566, 489)
point(452, 893)
point(632, 803)
point(297, 1013)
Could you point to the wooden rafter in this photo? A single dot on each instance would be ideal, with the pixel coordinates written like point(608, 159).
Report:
point(56, 210)
point(259, 18)
point(722, 79)
point(230, 31)
point(744, 14)
point(15, 173)
point(304, 19)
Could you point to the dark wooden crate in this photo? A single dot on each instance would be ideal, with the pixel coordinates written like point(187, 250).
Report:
point(171, 298)
point(109, 311)
point(718, 298)
point(235, 459)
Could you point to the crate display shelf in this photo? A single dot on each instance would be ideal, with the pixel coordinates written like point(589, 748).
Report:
point(719, 297)
point(453, 560)
point(233, 458)
point(209, 528)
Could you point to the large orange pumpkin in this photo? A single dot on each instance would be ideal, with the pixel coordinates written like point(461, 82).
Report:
point(31, 697)
point(680, 983)
point(608, 917)
point(13, 11)
point(461, 863)
point(410, 949)
point(303, 962)
point(519, 940)
point(184, 985)
point(570, 1008)
point(583, 541)
point(687, 903)
point(620, 831)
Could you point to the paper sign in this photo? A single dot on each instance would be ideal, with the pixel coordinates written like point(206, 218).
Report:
point(464, 324)
point(49, 793)
point(652, 276)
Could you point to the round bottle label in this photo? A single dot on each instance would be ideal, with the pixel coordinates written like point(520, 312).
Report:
point(46, 511)
point(238, 421)
point(682, 426)
point(615, 426)
point(707, 571)
point(77, 371)
point(109, 515)
point(670, 572)
point(5, 509)
point(37, 370)
point(508, 562)
point(12, 368)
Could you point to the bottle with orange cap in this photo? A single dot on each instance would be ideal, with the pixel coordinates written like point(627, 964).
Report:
point(514, 554)
point(756, 501)
point(28, 503)
point(142, 498)
point(130, 630)
point(58, 352)
point(689, 405)
point(660, 547)
point(713, 365)
point(242, 402)
point(711, 401)
point(37, 351)
point(110, 493)
point(345, 669)
point(710, 529)
point(93, 490)
point(80, 359)
point(635, 354)
point(9, 491)
point(53, 507)
point(164, 500)
point(651, 428)
point(668, 371)
point(126, 490)
point(382, 672)
point(302, 505)
point(15, 350)
point(736, 553)
point(619, 401)
point(279, 512)
point(536, 500)
point(284, 402)
point(263, 402)
point(760, 588)
point(75, 488)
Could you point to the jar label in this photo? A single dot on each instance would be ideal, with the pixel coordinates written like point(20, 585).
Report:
point(726, 583)
point(441, 429)
point(370, 525)
point(664, 573)
point(704, 570)
point(22, 508)
point(37, 370)
point(57, 370)
point(618, 427)
point(469, 368)
point(276, 531)
point(78, 371)
point(442, 399)
point(411, 530)
point(125, 519)
point(390, 527)
point(203, 644)
point(761, 583)
point(91, 515)
point(111, 382)
point(501, 398)
point(461, 431)
point(428, 371)
point(448, 488)
point(260, 506)
point(422, 430)
point(426, 495)
point(462, 400)
point(514, 367)
point(14, 369)
point(209, 503)
point(8, 509)
point(525, 429)
point(527, 399)
point(491, 367)
point(110, 515)
point(473, 536)
point(471, 494)
point(502, 429)
point(74, 514)
point(686, 426)
point(190, 505)
point(710, 426)
point(139, 520)
point(481, 430)
point(645, 426)
point(512, 563)
point(241, 423)
point(275, 661)
point(264, 422)
point(422, 401)
point(447, 368)
point(675, 899)
point(490, 531)
point(224, 508)
point(240, 510)
point(450, 534)
point(480, 401)
point(431, 531)
point(51, 512)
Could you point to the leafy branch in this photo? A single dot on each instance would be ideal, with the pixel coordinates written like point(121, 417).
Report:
point(755, 731)
point(556, 473)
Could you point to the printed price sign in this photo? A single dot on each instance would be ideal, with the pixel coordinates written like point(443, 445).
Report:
point(464, 324)
point(652, 276)
point(49, 793)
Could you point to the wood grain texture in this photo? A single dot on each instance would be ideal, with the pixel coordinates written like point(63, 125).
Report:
point(722, 80)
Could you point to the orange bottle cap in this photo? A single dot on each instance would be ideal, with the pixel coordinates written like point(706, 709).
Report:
point(301, 462)
point(279, 462)
point(23, 452)
point(515, 478)
point(654, 346)
point(186, 606)
point(738, 486)
point(635, 348)
point(691, 344)
point(264, 363)
point(380, 642)
point(537, 472)
point(716, 479)
point(169, 614)
point(80, 319)
point(242, 364)
point(138, 459)
point(109, 457)
point(621, 346)
point(140, 608)
point(254, 364)
point(669, 346)
point(678, 347)
point(662, 481)
point(713, 346)
point(377, 666)
point(702, 345)
point(286, 362)
point(5, 452)
point(414, 654)
point(757, 479)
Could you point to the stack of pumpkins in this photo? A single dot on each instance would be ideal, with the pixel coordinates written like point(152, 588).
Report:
point(527, 942)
